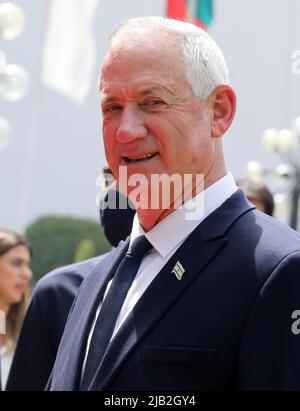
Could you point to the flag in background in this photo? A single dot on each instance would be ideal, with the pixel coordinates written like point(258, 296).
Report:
point(199, 12)
point(69, 50)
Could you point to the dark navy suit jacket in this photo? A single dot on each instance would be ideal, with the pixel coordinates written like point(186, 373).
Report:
point(44, 325)
point(225, 325)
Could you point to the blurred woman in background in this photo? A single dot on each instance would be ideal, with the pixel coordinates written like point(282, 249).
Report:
point(15, 273)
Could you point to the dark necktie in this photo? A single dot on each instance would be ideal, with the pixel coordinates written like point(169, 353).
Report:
point(112, 305)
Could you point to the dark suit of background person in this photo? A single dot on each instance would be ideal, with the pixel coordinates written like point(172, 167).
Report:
point(223, 320)
point(50, 304)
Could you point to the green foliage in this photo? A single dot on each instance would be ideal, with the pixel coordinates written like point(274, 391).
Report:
point(58, 241)
point(85, 250)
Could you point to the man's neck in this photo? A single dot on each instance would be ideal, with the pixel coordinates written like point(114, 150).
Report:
point(149, 218)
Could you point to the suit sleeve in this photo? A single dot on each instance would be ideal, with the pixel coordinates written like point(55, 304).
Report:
point(39, 338)
point(33, 355)
point(270, 349)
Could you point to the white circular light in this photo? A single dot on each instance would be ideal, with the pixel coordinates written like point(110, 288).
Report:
point(270, 139)
point(284, 170)
point(254, 171)
point(12, 21)
point(5, 131)
point(14, 82)
point(284, 174)
point(287, 141)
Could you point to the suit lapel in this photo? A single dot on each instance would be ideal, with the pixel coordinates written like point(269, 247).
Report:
point(71, 353)
point(146, 314)
point(205, 242)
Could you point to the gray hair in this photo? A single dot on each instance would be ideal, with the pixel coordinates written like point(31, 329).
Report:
point(205, 66)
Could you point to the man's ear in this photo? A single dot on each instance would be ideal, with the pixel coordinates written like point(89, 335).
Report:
point(223, 109)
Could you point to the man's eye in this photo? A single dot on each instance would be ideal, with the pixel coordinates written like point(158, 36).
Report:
point(153, 102)
point(112, 108)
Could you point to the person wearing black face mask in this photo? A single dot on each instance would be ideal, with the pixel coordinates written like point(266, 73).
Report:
point(116, 221)
point(52, 299)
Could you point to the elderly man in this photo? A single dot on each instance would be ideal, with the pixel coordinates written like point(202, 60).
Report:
point(204, 295)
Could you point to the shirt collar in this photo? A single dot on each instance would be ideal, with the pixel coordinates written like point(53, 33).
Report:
point(177, 226)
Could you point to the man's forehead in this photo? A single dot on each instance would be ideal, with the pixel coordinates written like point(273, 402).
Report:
point(112, 90)
point(153, 46)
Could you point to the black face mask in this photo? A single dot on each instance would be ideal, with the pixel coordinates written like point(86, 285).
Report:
point(116, 216)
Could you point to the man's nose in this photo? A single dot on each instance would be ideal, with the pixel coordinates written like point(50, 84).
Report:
point(131, 125)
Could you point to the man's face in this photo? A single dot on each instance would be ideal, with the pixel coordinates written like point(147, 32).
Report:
point(152, 121)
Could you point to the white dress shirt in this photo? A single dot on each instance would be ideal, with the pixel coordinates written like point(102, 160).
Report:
point(166, 237)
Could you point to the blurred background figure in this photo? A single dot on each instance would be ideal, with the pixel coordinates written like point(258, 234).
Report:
point(116, 210)
point(258, 194)
point(15, 273)
point(108, 178)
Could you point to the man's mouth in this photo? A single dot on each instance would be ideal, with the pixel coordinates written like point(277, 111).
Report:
point(135, 159)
